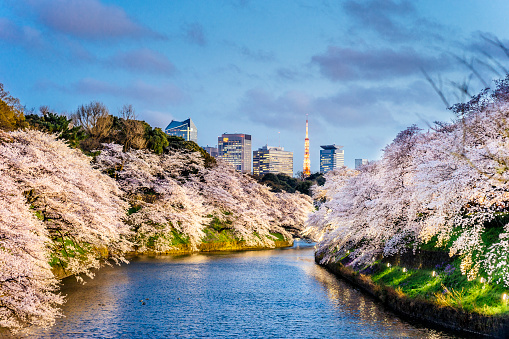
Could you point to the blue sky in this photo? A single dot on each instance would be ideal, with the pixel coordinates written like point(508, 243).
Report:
point(255, 67)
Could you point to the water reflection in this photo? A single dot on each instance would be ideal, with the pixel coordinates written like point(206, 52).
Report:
point(255, 294)
point(353, 303)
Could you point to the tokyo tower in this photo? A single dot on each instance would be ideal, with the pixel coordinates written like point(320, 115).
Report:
point(307, 171)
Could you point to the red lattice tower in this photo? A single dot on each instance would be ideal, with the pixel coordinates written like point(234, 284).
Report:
point(307, 170)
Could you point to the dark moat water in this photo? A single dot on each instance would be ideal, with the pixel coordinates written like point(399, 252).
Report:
point(256, 294)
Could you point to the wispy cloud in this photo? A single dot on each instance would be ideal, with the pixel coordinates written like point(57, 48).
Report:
point(143, 61)
point(20, 35)
point(89, 19)
point(285, 111)
point(287, 73)
point(353, 107)
point(381, 16)
point(340, 64)
point(250, 53)
point(164, 94)
point(257, 55)
point(194, 34)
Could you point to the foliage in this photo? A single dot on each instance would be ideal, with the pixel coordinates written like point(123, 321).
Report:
point(53, 123)
point(317, 178)
point(283, 183)
point(156, 139)
point(11, 111)
point(96, 121)
point(448, 184)
point(131, 132)
point(178, 143)
point(26, 281)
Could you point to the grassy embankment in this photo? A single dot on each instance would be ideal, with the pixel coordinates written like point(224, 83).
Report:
point(441, 282)
point(218, 237)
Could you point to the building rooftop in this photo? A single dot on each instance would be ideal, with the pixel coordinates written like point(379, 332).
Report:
point(269, 148)
point(175, 123)
point(334, 146)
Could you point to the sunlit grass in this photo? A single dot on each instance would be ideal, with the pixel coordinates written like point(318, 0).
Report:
point(447, 289)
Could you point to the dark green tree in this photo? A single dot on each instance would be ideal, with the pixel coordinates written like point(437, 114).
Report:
point(179, 144)
point(156, 139)
point(51, 122)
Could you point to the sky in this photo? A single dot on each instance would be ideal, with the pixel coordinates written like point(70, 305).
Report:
point(358, 69)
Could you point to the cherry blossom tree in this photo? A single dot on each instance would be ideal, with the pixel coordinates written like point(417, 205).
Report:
point(251, 208)
point(449, 184)
point(80, 207)
point(175, 192)
point(27, 286)
point(153, 186)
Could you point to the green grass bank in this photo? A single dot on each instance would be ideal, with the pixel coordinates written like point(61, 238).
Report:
point(430, 288)
point(216, 239)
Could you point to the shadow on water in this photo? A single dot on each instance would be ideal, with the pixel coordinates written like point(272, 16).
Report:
point(254, 294)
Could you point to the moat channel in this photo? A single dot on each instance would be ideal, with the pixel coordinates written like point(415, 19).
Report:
point(255, 294)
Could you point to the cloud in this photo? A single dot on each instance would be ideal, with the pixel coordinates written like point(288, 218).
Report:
point(393, 21)
point(194, 34)
point(356, 106)
point(249, 53)
point(144, 61)
point(287, 73)
point(285, 111)
point(25, 36)
point(161, 94)
point(89, 19)
point(257, 55)
point(380, 16)
point(340, 64)
point(156, 118)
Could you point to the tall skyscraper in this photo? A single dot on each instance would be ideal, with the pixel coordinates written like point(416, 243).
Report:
point(185, 129)
point(272, 160)
point(307, 165)
point(331, 157)
point(235, 149)
point(360, 162)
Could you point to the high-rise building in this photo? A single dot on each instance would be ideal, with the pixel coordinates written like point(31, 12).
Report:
point(331, 157)
point(360, 162)
point(272, 160)
point(307, 164)
point(185, 129)
point(235, 149)
point(213, 151)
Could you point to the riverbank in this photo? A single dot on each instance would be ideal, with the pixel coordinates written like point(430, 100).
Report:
point(236, 245)
point(185, 248)
point(416, 308)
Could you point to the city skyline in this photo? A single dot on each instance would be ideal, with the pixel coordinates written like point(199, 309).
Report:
point(356, 67)
point(264, 162)
point(214, 150)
